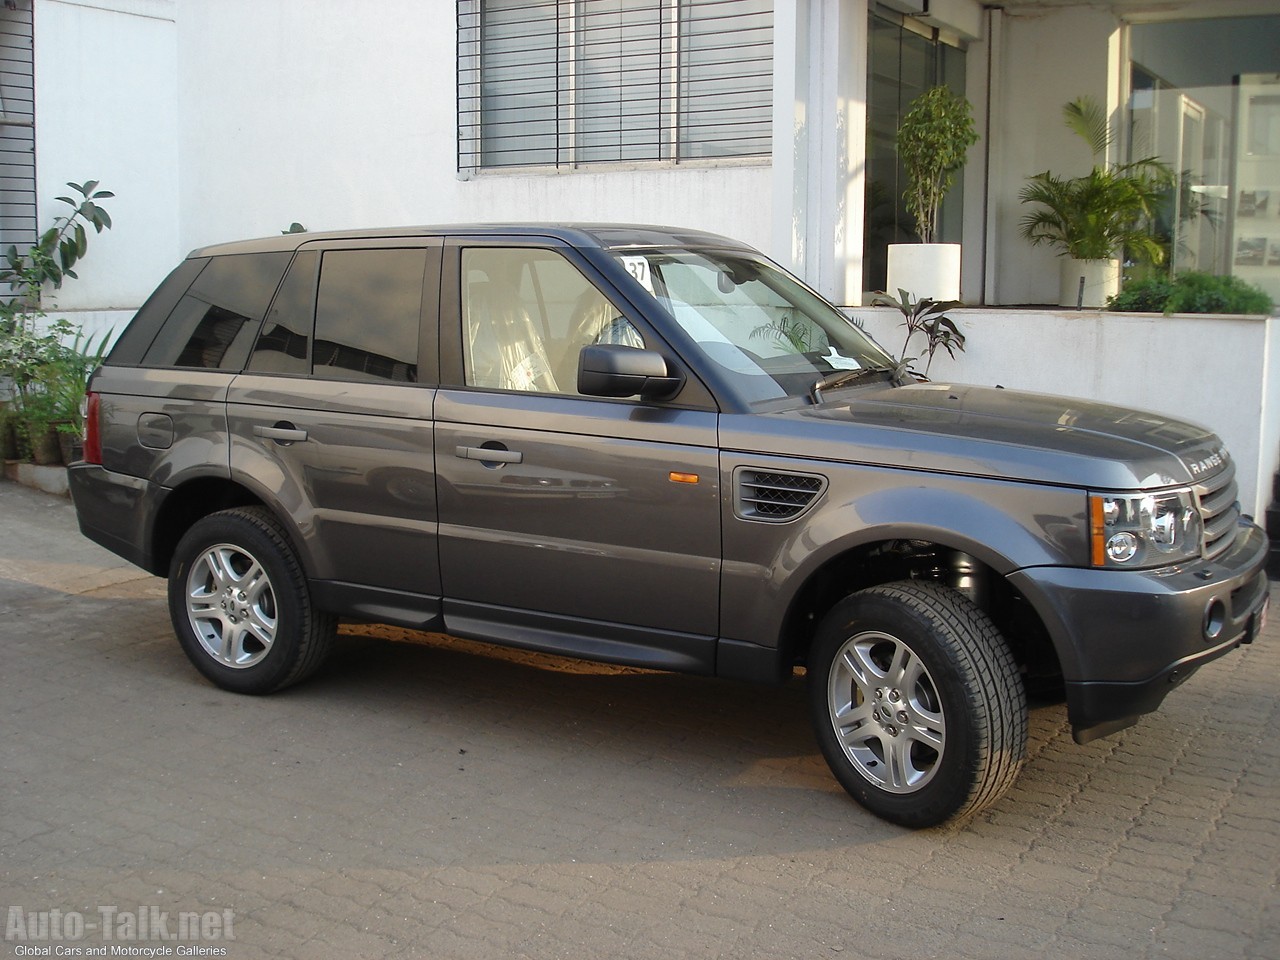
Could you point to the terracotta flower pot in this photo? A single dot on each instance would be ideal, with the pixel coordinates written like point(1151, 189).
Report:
point(71, 447)
point(43, 439)
point(8, 440)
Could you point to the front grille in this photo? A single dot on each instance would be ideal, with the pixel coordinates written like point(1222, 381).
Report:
point(1219, 510)
point(773, 496)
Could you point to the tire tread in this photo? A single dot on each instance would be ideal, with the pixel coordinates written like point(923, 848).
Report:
point(984, 663)
point(316, 630)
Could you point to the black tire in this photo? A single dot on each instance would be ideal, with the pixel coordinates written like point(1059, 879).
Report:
point(917, 703)
point(241, 606)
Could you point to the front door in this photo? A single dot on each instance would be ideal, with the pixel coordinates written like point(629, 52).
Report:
point(567, 522)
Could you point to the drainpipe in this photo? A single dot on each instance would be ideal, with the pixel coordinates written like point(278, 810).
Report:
point(988, 284)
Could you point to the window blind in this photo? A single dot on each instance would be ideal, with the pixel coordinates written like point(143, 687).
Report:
point(567, 82)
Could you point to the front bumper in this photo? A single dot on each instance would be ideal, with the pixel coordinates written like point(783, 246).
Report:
point(1126, 638)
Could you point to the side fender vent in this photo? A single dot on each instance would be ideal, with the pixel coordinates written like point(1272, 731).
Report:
point(773, 497)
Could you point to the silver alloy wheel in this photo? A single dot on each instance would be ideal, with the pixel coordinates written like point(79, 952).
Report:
point(886, 712)
point(231, 605)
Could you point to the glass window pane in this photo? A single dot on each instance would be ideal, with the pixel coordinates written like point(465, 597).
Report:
point(562, 82)
point(726, 79)
point(197, 334)
point(619, 71)
point(518, 82)
point(901, 66)
point(1214, 119)
point(284, 345)
point(213, 326)
point(368, 313)
point(527, 314)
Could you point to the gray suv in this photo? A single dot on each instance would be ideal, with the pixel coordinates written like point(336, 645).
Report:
point(654, 447)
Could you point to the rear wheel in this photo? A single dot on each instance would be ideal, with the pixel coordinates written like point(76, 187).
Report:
point(917, 703)
point(241, 606)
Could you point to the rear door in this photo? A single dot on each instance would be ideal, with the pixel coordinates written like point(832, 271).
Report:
point(568, 522)
point(331, 422)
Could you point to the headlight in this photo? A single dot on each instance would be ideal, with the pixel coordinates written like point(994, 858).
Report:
point(1148, 530)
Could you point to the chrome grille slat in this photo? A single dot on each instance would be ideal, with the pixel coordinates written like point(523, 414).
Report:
point(774, 496)
point(1219, 510)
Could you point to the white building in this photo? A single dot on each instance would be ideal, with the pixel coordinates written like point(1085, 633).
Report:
point(768, 120)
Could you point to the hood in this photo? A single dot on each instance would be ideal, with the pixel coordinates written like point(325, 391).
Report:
point(986, 431)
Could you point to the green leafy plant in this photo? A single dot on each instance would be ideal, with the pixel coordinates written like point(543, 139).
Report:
point(69, 379)
point(1192, 292)
point(1108, 210)
point(48, 364)
point(928, 318)
point(798, 333)
point(51, 259)
point(1145, 295)
point(933, 138)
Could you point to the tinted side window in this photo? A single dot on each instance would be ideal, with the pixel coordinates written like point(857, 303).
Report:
point(368, 312)
point(215, 323)
point(133, 343)
point(284, 345)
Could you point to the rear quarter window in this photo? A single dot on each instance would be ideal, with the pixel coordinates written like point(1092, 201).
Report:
point(214, 324)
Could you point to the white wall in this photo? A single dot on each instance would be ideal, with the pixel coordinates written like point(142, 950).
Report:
point(819, 143)
point(1222, 372)
point(337, 115)
point(106, 109)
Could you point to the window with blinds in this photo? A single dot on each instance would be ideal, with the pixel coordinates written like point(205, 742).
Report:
point(559, 83)
point(17, 129)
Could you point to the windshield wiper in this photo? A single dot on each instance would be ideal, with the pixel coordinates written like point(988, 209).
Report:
point(842, 378)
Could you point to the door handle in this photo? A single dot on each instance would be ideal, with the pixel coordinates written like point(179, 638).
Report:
point(489, 454)
point(284, 433)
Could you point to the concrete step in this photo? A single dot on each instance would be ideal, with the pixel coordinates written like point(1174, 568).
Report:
point(49, 479)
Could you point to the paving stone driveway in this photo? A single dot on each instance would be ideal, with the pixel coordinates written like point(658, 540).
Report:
point(434, 798)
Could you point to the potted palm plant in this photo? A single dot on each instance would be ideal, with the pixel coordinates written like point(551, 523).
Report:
point(933, 139)
point(1095, 218)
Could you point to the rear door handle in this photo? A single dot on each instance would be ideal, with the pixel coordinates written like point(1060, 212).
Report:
point(489, 454)
point(284, 433)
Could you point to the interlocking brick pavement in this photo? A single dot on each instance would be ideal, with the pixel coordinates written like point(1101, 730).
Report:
point(428, 797)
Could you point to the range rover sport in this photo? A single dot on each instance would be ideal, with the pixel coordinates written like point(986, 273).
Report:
point(655, 447)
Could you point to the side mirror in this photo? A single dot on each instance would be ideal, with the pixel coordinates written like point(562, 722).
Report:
point(615, 370)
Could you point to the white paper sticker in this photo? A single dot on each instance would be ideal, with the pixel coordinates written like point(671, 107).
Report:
point(638, 267)
point(836, 362)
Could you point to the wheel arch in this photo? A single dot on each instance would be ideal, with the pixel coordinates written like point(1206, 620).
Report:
point(917, 552)
point(188, 503)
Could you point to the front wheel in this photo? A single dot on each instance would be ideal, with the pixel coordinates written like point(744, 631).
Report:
point(917, 703)
point(241, 606)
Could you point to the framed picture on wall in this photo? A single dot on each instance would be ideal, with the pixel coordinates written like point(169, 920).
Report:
point(1251, 251)
point(1253, 203)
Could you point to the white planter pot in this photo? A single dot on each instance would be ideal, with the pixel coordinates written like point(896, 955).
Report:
point(1100, 279)
point(924, 270)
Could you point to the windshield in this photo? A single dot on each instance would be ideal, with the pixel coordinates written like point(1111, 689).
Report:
point(772, 336)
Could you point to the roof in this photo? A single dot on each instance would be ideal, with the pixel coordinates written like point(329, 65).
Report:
point(609, 236)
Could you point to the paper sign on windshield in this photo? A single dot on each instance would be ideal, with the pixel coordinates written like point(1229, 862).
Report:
point(638, 267)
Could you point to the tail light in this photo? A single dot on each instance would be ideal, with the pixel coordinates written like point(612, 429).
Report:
point(92, 432)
